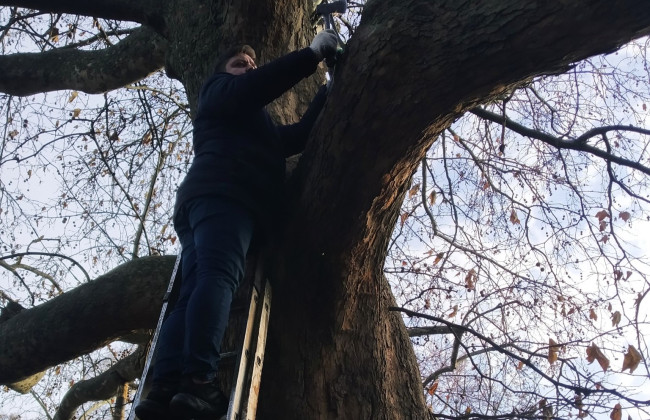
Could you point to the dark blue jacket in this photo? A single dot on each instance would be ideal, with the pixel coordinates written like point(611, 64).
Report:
point(238, 152)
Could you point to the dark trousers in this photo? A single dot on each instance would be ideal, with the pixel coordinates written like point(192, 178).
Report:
point(215, 234)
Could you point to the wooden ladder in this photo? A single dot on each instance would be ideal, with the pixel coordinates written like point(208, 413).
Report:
point(248, 373)
point(249, 354)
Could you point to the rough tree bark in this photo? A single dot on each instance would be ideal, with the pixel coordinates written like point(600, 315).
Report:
point(334, 350)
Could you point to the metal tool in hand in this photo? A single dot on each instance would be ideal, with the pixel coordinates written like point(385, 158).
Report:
point(326, 9)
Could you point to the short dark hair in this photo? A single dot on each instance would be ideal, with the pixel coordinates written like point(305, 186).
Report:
point(220, 64)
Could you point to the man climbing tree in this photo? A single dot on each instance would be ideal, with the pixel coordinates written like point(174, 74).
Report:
point(233, 186)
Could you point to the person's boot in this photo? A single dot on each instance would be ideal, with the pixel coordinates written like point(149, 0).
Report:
point(199, 401)
point(156, 405)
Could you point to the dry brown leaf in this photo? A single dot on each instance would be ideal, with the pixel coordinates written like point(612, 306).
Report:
point(432, 198)
point(602, 215)
point(146, 140)
point(73, 95)
point(594, 353)
point(552, 351)
point(454, 312)
point(513, 218)
point(439, 257)
point(602, 225)
point(632, 359)
point(616, 319)
point(76, 112)
point(520, 366)
point(414, 190)
point(54, 34)
point(470, 279)
point(593, 315)
point(402, 218)
point(433, 388)
point(616, 413)
point(624, 215)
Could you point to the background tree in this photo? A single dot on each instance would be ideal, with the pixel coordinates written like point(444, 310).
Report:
point(507, 210)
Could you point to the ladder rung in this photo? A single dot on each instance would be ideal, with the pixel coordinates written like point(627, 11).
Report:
point(228, 355)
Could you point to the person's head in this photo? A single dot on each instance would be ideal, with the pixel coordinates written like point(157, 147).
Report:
point(236, 60)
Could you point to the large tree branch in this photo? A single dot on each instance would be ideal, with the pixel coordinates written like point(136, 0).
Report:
point(125, 299)
point(131, 59)
point(142, 11)
point(102, 386)
point(451, 70)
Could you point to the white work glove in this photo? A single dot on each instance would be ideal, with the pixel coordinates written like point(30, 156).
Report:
point(325, 43)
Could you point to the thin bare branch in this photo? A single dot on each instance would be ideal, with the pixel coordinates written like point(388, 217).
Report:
point(579, 143)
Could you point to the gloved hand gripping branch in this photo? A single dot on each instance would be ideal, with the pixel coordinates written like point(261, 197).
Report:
point(325, 44)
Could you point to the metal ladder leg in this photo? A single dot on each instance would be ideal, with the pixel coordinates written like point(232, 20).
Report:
point(154, 340)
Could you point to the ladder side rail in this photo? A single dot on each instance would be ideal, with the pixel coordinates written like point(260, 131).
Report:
point(154, 339)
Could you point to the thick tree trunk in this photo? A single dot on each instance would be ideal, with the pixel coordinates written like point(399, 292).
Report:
point(335, 350)
point(328, 387)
